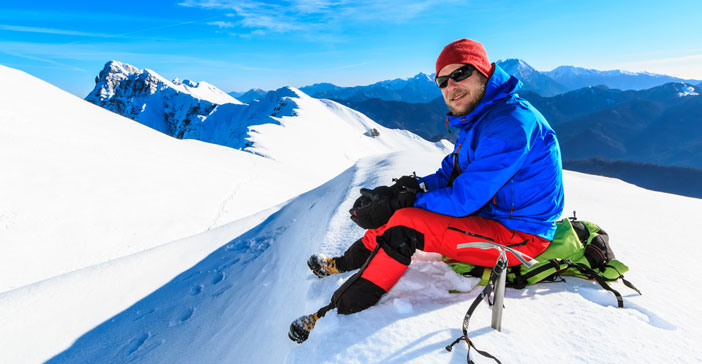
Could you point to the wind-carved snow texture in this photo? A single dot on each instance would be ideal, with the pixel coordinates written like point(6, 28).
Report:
point(246, 291)
point(240, 293)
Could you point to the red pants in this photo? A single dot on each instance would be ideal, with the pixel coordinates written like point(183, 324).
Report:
point(442, 234)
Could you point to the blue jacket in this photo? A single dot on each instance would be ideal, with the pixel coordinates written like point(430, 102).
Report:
point(509, 163)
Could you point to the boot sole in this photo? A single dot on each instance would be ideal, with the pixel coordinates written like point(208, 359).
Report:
point(314, 268)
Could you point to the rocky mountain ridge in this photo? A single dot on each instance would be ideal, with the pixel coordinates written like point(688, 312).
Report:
point(173, 107)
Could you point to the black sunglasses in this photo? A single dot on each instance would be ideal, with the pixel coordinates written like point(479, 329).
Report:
point(458, 75)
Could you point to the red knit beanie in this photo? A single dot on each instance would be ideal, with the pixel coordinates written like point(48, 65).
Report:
point(465, 51)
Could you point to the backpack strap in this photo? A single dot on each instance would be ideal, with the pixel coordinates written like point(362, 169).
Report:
point(602, 280)
point(552, 267)
point(592, 274)
point(535, 274)
point(626, 282)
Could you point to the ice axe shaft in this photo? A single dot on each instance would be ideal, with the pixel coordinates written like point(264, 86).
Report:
point(498, 303)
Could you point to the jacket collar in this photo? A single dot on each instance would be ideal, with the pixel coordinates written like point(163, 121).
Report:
point(499, 86)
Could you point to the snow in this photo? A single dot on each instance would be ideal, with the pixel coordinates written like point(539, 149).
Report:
point(89, 186)
point(330, 134)
point(119, 244)
point(205, 91)
point(687, 90)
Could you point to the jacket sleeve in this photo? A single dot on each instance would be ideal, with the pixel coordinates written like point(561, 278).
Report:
point(440, 178)
point(500, 153)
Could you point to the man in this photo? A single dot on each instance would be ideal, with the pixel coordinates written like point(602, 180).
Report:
point(502, 183)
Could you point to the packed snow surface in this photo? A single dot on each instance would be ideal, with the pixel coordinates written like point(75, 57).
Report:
point(82, 186)
point(199, 290)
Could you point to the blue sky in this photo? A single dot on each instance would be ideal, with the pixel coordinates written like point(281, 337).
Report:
point(238, 45)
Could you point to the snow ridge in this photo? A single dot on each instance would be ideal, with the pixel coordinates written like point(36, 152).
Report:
point(285, 125)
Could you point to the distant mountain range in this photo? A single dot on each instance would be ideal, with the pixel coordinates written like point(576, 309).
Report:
point(421, 88)
point(568, 78)
point(660, 125)
point(247, 97)
point(418, 89)
point(577, 77)
point(677, 180)
point(532, 79)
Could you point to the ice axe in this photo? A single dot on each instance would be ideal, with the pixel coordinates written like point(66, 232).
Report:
point(496, 284)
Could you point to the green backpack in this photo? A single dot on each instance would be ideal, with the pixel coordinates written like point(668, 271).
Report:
point(579, 248)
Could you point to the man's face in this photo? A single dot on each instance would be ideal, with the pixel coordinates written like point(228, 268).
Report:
point(463, 96)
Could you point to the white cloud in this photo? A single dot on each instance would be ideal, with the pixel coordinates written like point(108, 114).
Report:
point(17, 28)
point(315, 15)
point(222, 24)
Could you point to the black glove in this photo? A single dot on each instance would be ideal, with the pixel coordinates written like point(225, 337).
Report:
point(372, 210)
point(375, 207)
point(407, 183)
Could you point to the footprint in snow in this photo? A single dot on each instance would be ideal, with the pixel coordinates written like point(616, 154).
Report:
point(605, 298)
point(184, 316)
point(195, 290)
point(136, 342)
point(219, 276)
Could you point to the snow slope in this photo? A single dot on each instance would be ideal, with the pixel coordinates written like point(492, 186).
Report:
point(318, 137)
point(83, 188)
point(210, 292)
point(235, 305)
point(88, 186)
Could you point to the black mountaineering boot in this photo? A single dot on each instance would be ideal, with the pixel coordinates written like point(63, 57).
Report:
point(322, 265)
point(300, 328)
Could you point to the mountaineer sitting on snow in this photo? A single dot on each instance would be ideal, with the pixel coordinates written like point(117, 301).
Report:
point(502, 183)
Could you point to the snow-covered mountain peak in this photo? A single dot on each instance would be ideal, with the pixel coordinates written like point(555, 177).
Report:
point(515, 66)
point(117, 67)
point(419, 80)
point(561, 71)
point(249, 96)
point(423, 76)
point(685, 89)
point(118, 75)
point(174, 108)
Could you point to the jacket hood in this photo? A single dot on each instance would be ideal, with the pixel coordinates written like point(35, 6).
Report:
point(499, 86)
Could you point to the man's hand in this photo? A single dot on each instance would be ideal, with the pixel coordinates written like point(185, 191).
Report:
point(407, 183)
point(375, 207)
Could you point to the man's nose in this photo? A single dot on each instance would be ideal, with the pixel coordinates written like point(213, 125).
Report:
point(451, 83)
